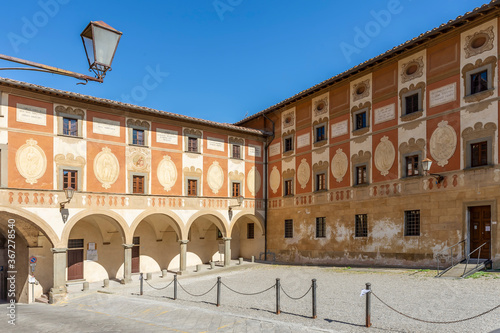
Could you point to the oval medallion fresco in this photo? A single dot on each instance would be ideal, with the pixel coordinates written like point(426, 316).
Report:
point(274, 179)
point(443, 143)
point(254, 181)
point(167, 173)
point(31, 161)
point(339, 165)
point(303, 173)
point(106, 167)
point(215, 177)
point(385, 155)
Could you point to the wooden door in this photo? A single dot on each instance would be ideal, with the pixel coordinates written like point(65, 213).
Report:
point(75, 264)
point(135, 259)
point(480, 230)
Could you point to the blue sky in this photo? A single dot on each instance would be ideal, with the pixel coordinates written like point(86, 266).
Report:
point(217, 60)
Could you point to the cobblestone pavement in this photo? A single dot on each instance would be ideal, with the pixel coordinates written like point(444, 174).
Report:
point(340, 308)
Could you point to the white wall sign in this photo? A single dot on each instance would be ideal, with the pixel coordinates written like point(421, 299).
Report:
point(385, 113)
point(215, 144)
point(167, 136)
point(443, 95)
point(106, 127)
point(339, 129)
point(31, 114)
point(274, 149)
point(92, 255)
point(303, 140)
point(254, 151)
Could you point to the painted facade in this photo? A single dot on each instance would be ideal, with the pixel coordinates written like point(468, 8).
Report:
point(346, 184)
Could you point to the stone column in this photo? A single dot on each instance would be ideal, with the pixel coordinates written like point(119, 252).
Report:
point(227, 251)
point(127, 264)
point(58, 291)
point(183, 256)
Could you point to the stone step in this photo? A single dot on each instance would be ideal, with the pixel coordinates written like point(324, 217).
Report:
point(42, 299)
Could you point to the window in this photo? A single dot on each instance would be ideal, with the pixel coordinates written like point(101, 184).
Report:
point(320, 182)
point(320, 133)
point(478, 82)
point(412, 223)
point(192, 187)
point(250, 230)
point(361, 225)
point(136, 240)
point(412, 102)
point(70, 126)
point(288, 187)
point(236, 190)
point(70, 179)
point(192, 144)
point(288, 145)
point(138, 184)
point(360, 120)
point(75, 243)
point(288, 228)
point(412, 165)
point(320, 227)
point(361, 175)
point(236, 151)
point(479, 154)
point(138, 137)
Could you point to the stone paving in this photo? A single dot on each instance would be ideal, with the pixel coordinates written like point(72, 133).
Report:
point(340, 308)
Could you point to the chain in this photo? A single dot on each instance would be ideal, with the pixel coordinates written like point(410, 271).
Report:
point(435, 322)
point(249, 294)
point(159, 288)
point(297, 298)
point(195, 295)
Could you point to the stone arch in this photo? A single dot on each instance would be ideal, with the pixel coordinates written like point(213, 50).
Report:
point(178, 224)
point(257, 219)
point(214, 216)
point(40, 223)
point(117, 218)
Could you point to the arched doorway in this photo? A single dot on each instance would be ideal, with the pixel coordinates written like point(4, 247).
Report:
point(247, 236)
point(206, 234)
point(21, 237)
point(95, 246)
point(156, 242)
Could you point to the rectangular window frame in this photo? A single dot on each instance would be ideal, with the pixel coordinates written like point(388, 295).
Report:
point(60, 178)
point(288, 187)
point(320, 181)
point(136, 140)
point(236, 152)
point(131, 182)
point(236, 189)
point(489, 152)
point(366, 180)
point(133, 130)
point(361, 225)
point(412, 226)
point(138, 183)
point(321, 227)
point(409, 159)
point(72, 181)
point(469, 91)
point(404, 101)
point(250, 230)
point(197, 187)
point(355, 124)
point(288, 228)
point(60, 124)
point(288, 144)
point(193, 145)
point(320, 137)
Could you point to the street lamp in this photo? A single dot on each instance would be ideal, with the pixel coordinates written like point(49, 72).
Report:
point(100, 42)
point(68, 192)
point(230, 208)
point(426, 166)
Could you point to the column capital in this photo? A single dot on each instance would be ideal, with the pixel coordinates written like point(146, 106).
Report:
point(128, 246)
point(226, 238)
point(59, 250)
point(183, 241)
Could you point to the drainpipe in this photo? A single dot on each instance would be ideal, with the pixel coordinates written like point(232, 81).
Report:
point(265, 184)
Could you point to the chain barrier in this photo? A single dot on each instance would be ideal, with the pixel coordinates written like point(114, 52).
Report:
point(196, 295)
point(296, 298)
point(248, 294)
point(435, 322)
point(168, 285)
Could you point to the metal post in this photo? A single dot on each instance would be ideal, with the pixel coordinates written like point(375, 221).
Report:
point(141, 278)
point(278, 289)
point(368, 305)
point(175, 286)
point(314, 298)
point(218, 290)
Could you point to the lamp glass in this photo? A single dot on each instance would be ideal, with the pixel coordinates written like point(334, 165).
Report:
point(240, 200)
point(105, 44)
point(69, 191)
point(426, 164)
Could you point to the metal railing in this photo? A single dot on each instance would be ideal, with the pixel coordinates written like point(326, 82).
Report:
point(478, 250)
point(444, 254)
